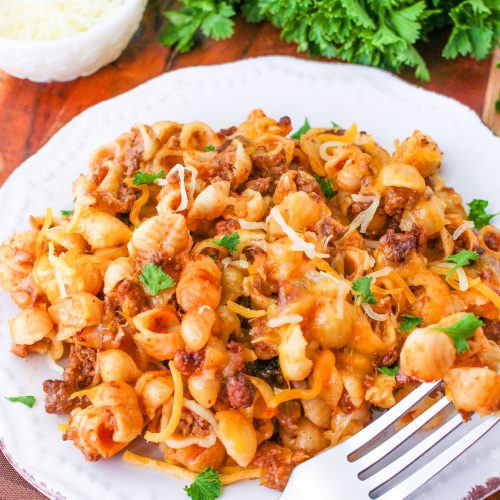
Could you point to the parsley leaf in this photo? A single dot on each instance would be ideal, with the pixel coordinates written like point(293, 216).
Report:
point(206, 486)
point(477, 213)
point(463, 329)
point(362, 286)
point(210, 147)
point(410, 322)
point(230, 242)
point(335, 125)
point(460, 259)
point(212, 18)
point(326, 187)
point(67, 213)
point(25, 400)
point(155, 279)
point(391, 371)
point(302, 130)
point(145, 178)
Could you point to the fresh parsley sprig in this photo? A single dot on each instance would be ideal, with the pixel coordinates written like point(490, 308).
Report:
point(206, 486)
point(326, 186)
point(384, 34)
point(392, 371)
point(210, 147)
point(145, 178)
point(67, 213)
point(478, 214)
point(25, 400)
point(362, 286)
point(463, 329)
point(410, 322)
point(155, 279)
point(460, 259)
point(230, 242)
point(302, 130)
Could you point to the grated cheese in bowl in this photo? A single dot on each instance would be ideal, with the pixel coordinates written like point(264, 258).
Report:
point(52, 19)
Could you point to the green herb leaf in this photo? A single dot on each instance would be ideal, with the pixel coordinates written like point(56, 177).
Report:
point(210, 147)
point(302, 130)
point(230, 242)
point(463, 329)
point(478, 214)
point(206, 486)
point(460, 259)
point(145, 178)
point(67, 213)
point(335, 125)
point(391, 371)
point(362, 286)
point(25, 400)
point(410, 322)
point(326, 186)
point(497, 104)
point(155, 279)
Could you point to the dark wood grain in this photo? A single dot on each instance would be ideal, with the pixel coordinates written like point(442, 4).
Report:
point(31, 113)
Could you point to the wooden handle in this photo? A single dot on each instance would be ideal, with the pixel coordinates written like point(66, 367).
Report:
point(490, 115)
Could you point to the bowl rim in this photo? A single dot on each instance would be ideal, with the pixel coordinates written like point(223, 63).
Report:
point(124, 11)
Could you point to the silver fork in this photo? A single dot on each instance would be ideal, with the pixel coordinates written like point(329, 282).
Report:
point(334, 473)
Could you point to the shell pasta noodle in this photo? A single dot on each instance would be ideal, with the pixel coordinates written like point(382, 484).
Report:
point(242, 299)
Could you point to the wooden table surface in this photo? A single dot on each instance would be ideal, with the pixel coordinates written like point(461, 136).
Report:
point(31, 112)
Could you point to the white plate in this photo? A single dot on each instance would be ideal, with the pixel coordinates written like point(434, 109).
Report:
point(222, 96)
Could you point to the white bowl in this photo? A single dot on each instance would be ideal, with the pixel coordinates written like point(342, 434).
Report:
point(78, 55)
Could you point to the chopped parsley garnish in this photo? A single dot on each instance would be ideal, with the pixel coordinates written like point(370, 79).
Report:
point(460, 259)
point(302, 130)
point(145, 178)
point(478, 214)
point(25, 400)
point(67, 213)
point(210, 147)
point(206, 486)
point(230, 242)
point(155, 279)
point(335, 125)
point(460, 331)
point(362, 286)
point(326, 187)
point(410, 322)
point(392, 371)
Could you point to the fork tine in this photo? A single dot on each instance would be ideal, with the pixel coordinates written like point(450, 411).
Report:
point(388, 418)
point(394, 468)
point(394, 441)
point(429, 470)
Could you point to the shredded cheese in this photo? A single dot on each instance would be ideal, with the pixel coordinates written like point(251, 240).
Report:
point(372, 314)
point(298, 244)
point(180, 472)
point(488, 293)
point(264, 388)
point(180, 169)
point(323, 366)
point(468, 224)
point(175, 417)
point(385, 271)
point(286, 319)
point(410, 297)
point(363, 198)
point(463, 284)
point(245, 224)
point(70, 227)
point(244, 311)
point(363, 219)
point(41, 235)
point(52, 19)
